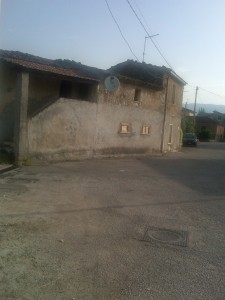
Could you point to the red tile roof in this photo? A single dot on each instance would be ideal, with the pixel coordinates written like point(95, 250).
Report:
point(46, 68)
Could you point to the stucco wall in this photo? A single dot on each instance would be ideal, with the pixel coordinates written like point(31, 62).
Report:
point(109, 140)
point(71, 128)
point(64, 130)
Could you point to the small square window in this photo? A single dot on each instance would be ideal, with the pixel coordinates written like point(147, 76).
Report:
point(137, 95)
point(145, 129)
point(124, 128)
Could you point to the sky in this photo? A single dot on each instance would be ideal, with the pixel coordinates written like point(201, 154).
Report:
point(190, 36)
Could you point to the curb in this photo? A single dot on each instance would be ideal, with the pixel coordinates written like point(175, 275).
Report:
point(6, 169)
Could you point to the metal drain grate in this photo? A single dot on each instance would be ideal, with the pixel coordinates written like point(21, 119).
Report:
point(166, 236)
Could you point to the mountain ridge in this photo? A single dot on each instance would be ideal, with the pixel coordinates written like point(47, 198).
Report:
point(209, 108)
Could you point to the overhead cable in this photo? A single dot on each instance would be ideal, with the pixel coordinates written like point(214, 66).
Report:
point(203, 89)
point(212, 93)
point(125, 40)
point(143, 17)
point(157, 48)
point(144, 65)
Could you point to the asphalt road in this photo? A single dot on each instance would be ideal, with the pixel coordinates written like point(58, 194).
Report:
point(119, 228)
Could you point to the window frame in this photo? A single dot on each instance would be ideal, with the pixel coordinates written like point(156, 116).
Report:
point(145, 129)
point(125, 125)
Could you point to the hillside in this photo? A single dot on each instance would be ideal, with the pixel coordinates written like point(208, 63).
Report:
point(207, 107)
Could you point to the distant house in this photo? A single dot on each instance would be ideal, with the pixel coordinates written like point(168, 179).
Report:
point(187, 112)
point(206, 124)
point(217, 116)
point(60, 110)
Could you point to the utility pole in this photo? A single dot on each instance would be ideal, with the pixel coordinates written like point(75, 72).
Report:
point(147, 37)
point(196, 94)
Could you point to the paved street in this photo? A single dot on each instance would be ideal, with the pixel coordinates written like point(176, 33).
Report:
point(116, 228)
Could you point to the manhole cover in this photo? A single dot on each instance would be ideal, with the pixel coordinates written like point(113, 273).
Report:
point(166, 236)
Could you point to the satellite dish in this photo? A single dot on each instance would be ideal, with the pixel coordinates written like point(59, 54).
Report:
point(111, 83)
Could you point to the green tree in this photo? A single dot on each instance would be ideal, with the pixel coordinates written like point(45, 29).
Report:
point(187, 124)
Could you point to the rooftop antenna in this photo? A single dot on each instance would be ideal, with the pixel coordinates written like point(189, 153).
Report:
point(147, 37)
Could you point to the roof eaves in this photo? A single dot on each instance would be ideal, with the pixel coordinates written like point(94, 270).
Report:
point(47, 68)
point(174, 75)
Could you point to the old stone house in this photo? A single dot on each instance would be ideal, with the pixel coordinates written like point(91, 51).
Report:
point(60, 110)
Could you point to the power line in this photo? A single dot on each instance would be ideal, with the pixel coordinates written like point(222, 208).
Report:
point(212, 93)
point(143, 26)
point(125, 40)
point(203, 89)
point(192, 86)
point(143, 16)
point(135, 2)
point(157, 47)
point(144, 66)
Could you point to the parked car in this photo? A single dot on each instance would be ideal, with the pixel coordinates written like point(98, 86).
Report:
point(190, 139)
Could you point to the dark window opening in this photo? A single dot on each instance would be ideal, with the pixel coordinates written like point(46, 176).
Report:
point(83, 91)
point(137, 95)
point(65, 89)
point(77, 90)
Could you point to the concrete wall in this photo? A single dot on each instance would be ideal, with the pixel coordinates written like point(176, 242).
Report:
point(64, 130)
point(109, 140)
point(69, 129)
